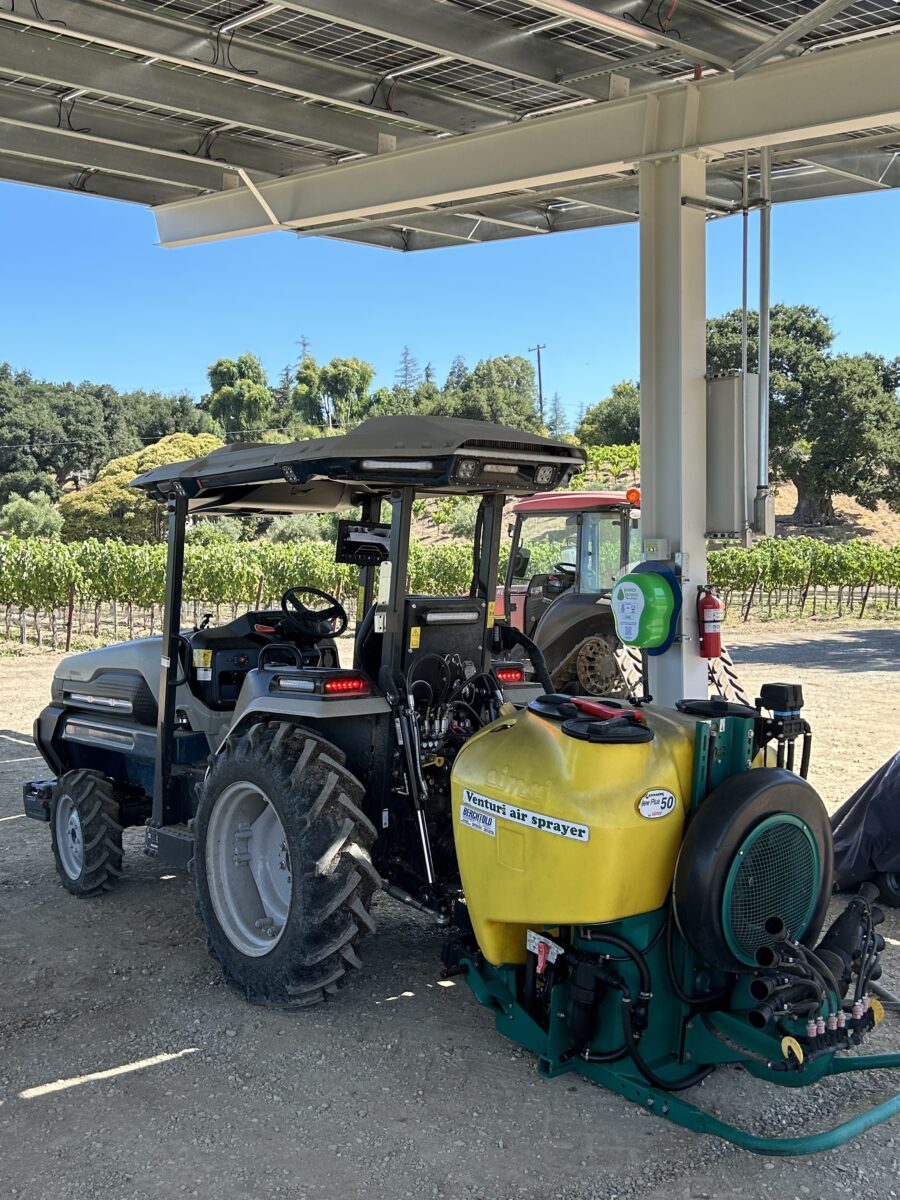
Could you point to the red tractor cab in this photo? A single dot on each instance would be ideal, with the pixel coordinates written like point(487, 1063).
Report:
point(567, 550)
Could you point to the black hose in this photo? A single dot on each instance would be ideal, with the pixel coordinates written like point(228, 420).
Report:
point(634, 954)
point(631, 1043)
point(587, 934)
point(604, 1056)
point(807, 750)
point(509, 634)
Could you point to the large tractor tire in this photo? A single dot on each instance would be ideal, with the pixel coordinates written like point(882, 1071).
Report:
point(282, 864)
point(86, 832)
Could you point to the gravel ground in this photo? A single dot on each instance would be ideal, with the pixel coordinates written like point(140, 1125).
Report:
point(401, 1088)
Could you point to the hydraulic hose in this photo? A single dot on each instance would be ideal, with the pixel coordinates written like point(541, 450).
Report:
point(511, 636)
point(633, 953)
point(665, 1085)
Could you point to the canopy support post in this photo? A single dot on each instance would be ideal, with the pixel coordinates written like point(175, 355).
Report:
point(673, 399)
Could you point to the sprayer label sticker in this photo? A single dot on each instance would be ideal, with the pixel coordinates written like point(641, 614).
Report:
point(476, 819)
point(534, 940)
point(524, 816)
point(658, 803)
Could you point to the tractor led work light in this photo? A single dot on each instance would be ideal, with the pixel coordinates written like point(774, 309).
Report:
point(467, 469)
point(545, 475)
point(285, 683)
point(400, 464)
point(499, 469)
point(459, 616)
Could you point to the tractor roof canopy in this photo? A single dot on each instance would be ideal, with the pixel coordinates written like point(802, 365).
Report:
point(430, 454)
point(553, 502)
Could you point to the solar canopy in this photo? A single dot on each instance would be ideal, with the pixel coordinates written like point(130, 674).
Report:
point(239, 116)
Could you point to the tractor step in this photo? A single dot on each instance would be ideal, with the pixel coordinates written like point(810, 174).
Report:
point(170, 845)
point(36, 797)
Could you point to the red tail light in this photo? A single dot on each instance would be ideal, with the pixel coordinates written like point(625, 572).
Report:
point(510, 675)
point(346, 685)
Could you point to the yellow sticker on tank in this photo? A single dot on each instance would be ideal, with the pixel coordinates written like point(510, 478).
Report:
point(202, 659)
point(491, 609)
point(415, 637)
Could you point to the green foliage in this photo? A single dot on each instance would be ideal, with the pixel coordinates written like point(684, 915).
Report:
point(615, 420)
point(834, 419)
point(110, 508)
point(299, 527)
point(36, 573)
point(498, 389)
point(210, 530)
point(240, 399)
point(779, 563)
point(31, 516)
point(557, 421)
point(54, 431)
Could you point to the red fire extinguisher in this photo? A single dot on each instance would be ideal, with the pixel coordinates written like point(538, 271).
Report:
point(710, 615)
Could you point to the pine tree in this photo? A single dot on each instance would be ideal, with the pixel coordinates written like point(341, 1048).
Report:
point(408, 374)
point(557, 421)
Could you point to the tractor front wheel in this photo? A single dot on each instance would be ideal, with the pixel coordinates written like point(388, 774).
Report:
point(282, 864)
point(86, 832)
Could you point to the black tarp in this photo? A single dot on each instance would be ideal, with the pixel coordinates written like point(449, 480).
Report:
point(866, 829)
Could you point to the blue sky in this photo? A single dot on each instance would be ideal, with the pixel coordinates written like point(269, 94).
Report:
point(86, 294)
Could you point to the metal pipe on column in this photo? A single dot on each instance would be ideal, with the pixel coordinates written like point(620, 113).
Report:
point(745, 282)
point(764, 514)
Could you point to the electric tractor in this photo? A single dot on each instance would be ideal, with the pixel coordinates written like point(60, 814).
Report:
point(636, 892)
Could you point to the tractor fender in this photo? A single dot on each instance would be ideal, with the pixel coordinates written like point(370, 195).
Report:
point(350, 723)
point(570, 619)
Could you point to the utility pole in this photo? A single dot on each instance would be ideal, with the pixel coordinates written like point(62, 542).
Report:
point(537, 350)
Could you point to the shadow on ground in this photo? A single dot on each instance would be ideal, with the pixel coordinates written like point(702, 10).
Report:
point(850, 650)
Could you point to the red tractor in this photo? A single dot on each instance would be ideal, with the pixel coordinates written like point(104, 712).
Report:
point(568, 548)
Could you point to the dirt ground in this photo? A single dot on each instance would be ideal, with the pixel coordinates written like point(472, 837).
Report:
point(401, 1087)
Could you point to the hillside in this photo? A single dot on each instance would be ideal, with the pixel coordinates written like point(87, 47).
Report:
point(881, 526)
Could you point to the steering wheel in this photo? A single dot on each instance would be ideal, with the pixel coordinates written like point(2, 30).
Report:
point(313, 623)
point(564, 568)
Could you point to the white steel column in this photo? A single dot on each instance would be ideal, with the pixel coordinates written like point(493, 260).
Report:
point(673, 396)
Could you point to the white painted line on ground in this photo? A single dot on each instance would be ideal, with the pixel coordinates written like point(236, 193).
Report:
point(17, 817)
point(4, 762)
point(60, 1085)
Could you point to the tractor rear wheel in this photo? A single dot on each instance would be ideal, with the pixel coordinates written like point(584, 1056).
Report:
point(282, 864)
point(86, 832)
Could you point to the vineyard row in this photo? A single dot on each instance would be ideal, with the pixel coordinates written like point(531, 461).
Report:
point(44, 577)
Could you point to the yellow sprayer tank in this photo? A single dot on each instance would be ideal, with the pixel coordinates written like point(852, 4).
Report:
point(551, 829)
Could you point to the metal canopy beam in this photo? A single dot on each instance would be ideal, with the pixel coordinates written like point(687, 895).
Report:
point(184, 138)
point(84, 152)
point(798, 29)
point(465, 35)
point(818, 96)
point(58, 62)
point(190, 44)
point(631, 31)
